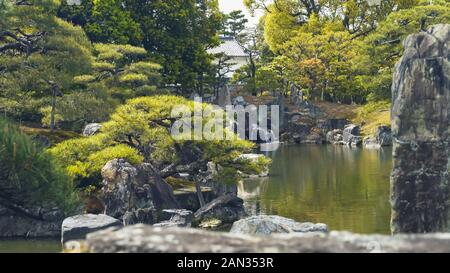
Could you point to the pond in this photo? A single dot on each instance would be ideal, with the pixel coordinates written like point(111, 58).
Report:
point(30, 246)
point(345, 188)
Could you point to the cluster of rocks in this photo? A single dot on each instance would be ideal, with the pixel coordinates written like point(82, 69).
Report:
point(78, 227)
point(349, 136)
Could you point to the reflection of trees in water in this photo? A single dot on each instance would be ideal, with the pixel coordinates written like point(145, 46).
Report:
point(250, 191)
point(348, 189)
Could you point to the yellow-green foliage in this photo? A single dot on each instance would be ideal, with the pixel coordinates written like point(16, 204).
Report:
point(141, 129)
point(373, 115)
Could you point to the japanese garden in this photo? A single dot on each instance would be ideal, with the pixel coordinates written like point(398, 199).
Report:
point(224, 126)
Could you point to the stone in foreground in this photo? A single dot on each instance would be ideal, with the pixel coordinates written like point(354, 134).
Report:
point(77, 227)
point(147, 239)
point(269, 224)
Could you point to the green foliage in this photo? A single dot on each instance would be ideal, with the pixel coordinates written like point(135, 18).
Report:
point(385, 44)
point(234, 24)
point(122, 71)
point(373, 115)
point(141, 130)
point(105, 21)
point(75, 110)
point(51, 53)
point(29, 175)
point(175, 32)
point(342, 50)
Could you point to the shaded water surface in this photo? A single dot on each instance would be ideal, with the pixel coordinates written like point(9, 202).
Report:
point(30, 246)
point(347, 189)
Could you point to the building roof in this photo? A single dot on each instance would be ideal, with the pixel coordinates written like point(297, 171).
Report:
point(230, 47)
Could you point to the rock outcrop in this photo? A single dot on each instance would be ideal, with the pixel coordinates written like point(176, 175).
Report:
point(135, 194)
point(270, 224)
point(420, 125)
point(77, 227)
point(92, 129)
point(227, 208)
point(335, 137)
point(147, 239)
point(351, 136)
point(382, 138)
point(22, 222)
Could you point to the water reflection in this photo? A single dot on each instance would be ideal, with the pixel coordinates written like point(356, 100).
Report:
point(348, 189)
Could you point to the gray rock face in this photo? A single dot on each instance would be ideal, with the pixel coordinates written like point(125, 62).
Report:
point(228, 209)
point(384, 136)
point(30, 223)
point(335, 137)
point(147, 239)
point(351, 135)
point(270, 224)
point(420, 126)
point(134, 194)
point(91, 129)
point(77, 227)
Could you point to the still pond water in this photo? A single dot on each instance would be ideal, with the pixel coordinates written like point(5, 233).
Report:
point(347, 189)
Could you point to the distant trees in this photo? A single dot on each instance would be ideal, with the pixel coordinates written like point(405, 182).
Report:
point(235, 24)
point(123, 71)
point(140, 131)
point(342, 51)
point(176, 33)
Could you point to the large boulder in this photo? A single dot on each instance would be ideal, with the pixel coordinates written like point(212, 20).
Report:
point(77, 227)
point(134, 194)
point(92, 129)
point(269, 224)
point(227, 208)
point(420, 128)
point(351, 135)
point(384, 136)
point(335, 137)
point(148, 239)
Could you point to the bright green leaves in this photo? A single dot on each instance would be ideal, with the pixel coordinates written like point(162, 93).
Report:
point(141, 130)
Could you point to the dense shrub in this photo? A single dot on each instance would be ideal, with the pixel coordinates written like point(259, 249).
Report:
point(29, 175)
point(140, 131)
